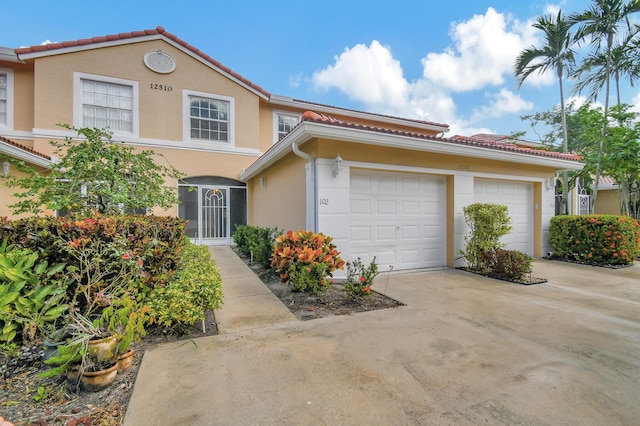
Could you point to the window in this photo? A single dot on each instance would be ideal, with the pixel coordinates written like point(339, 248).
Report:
point(284, 123)
point(208, 117)
point(6, 98)
point(106, 103)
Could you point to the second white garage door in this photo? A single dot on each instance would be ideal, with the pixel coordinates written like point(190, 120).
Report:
point(518, 197)
point(399, 218)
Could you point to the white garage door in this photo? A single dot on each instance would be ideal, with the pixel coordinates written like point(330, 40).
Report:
point(518, 197)
point(399, 218)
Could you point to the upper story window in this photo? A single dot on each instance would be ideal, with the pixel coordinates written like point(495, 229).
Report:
point(106, 103)
point(208, 117)
point(6, 98)
point(283, 124)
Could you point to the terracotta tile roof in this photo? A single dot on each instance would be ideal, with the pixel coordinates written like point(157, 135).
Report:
point(315, 117)
point(24, 148)
point(136, 34)
point(411, 120)
point(607, 180)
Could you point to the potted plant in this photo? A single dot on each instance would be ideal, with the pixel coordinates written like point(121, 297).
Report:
point(126, 320)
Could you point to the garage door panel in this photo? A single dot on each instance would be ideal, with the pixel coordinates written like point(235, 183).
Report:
point(410, 208)
point(360, 234)
point(408, 214)
point(386, 233)
point(361, 207)
point(386, 208)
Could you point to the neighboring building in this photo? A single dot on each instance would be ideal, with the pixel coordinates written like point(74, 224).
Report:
point(382, 186)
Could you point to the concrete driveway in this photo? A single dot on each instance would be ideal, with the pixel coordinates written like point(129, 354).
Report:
point(464, 350)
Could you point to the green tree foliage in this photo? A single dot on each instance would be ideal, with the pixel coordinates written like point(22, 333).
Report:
point(94, 174)
point(555, 54)
point(600, 25)
point(621, 148)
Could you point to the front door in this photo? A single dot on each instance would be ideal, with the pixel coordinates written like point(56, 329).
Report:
point(213, 207)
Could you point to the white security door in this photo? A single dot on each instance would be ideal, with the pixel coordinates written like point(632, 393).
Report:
point(518, 197)
point(399, 218)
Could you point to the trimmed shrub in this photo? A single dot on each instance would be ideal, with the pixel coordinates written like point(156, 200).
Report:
point(304, 259)
point(511, 265)
point(193, 289)
point(487, 223)
point(256, 242)
point(595, 239)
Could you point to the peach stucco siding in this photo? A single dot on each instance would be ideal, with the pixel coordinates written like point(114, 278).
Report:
point(160, 110)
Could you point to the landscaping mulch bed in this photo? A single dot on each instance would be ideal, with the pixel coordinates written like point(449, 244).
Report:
point(334, 301)
point(530, 280)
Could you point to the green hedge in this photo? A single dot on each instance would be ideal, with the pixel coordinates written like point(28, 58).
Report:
point(157, 240)
point(256, 242)
point(195, 288)
point(595, 239)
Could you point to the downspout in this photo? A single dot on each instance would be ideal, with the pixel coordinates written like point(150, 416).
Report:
point(311, 187)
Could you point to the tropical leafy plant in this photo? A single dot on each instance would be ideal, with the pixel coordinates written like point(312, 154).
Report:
point(304, 259)
point(360, 278)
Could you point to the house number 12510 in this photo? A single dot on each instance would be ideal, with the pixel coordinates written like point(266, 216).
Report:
point(162, 87)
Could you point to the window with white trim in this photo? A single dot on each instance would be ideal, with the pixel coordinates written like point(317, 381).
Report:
point(283, 124)
point(208, 117)
point(6, 98)
point(106, 103)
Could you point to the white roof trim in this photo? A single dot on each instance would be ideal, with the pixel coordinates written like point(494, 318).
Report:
point(289, 102)
point(140, 39)
point(21, 154)
point(308, 130)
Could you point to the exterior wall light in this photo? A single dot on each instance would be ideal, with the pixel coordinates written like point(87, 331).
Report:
point(337, 166)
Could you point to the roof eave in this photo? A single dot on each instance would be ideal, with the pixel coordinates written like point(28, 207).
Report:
point(20, 154)
point(140, 39)
point(309, 130)
point(289, 102)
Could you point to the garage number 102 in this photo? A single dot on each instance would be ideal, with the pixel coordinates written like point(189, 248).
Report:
point(324, 201)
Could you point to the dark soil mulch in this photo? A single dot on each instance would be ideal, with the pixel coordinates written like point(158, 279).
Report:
point(530, 280)
point(334, 301)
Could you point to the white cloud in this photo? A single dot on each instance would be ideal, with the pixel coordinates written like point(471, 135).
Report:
point(366, 74)
point(47, 41)
point(481, 55)
point(502, 103)
point(483, 52)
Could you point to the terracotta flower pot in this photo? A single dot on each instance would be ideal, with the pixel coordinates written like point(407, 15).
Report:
point(92, 381)
point(124, 361)
point(103, 349)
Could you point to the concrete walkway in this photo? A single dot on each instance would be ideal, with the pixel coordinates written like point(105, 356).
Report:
point(248, 303)
point(465, 350)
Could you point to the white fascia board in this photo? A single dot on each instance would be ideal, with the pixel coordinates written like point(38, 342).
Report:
point(307, 130)
point(289, 102)
point(7, 54)
point(20, 154)
point(90, 46)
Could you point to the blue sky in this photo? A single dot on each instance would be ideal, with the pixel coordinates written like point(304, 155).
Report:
point(448, 62)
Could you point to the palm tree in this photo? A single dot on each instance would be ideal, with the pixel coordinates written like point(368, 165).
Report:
point(600, 25)
point(591, 75)
point(556, 54)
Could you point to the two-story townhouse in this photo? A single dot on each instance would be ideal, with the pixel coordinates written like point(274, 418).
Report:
point(382, 186)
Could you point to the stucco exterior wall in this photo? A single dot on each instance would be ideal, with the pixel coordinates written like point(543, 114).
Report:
point(608, 202)
point(279, 199)
point(160, 95)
